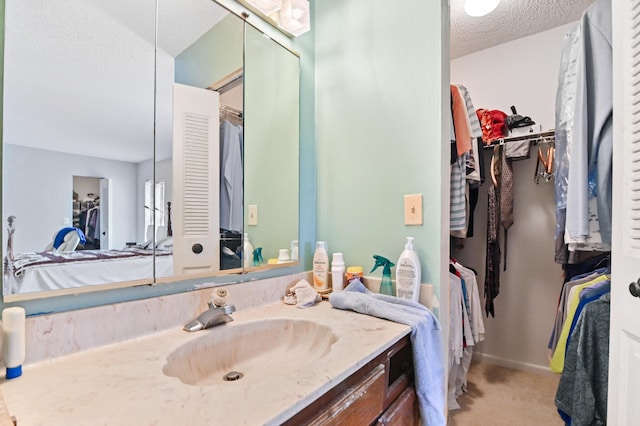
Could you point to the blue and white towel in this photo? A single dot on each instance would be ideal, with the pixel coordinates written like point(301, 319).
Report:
point(428, 361)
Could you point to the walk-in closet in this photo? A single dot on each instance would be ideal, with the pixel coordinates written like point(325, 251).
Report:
point(531, 207)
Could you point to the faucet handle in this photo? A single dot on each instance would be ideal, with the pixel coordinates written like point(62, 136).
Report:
point(219, 298)
point(218, 302)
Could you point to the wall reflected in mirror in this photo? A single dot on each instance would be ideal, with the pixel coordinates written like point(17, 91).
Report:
point(271, 147)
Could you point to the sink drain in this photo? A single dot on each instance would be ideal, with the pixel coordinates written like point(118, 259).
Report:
point(232, 376)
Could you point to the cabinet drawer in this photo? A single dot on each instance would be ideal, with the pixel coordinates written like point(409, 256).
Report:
point(359, 404)
point(361, 398)
point(403, 411)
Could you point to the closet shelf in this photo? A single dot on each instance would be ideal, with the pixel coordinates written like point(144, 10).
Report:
point(535, 138)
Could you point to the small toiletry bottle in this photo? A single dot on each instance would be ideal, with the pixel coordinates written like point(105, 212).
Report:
point(386, 284)
point(283, 256)
point(337, 272)
point(408, 274)
point(321, 268)
point(13, 350)
point(354, 273)
point(294, 250)
point(247, 252)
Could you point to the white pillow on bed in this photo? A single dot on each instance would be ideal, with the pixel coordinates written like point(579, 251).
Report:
point(165, 244)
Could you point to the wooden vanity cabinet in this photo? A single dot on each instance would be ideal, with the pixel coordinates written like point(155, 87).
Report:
point(380, 393)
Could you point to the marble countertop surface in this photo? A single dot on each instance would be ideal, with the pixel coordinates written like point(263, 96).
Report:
point(124, 383)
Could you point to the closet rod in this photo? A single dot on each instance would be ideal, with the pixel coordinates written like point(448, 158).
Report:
point(230, 110)
point(531, 136)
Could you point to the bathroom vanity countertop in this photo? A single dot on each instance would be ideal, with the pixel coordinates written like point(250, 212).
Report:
point(124, 383)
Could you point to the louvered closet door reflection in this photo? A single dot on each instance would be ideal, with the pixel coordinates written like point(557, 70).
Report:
point(624, 355)
point(196, 140)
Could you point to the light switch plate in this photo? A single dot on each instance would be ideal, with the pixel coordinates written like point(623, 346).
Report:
point(413, 209)
point(253, 215)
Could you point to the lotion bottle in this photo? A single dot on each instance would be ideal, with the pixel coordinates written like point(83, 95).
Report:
point(247, 252)
point(294, 250)
point(321, 268)
point(408, 274)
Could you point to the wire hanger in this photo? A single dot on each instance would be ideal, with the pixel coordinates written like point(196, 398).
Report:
point(546, 160)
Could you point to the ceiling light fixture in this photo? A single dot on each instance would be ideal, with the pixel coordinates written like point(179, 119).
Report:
point(480, 7)
point(294, 17)
point(268, 7)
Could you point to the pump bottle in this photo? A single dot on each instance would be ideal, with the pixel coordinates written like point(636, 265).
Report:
point(386, 285)
point(247, 252)
point(408, 274)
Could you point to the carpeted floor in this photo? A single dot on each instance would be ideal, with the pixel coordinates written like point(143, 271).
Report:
point(498, 396)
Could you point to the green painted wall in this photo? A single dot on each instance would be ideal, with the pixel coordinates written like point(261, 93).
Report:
point(198, 67)
point(380, 74)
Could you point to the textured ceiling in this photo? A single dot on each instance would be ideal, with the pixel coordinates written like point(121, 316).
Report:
point(512, 19)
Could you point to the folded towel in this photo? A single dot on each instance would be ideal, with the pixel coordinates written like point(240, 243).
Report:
point(302, 294)
point(428, 362)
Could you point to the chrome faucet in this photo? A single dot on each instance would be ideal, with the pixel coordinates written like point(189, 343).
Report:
point(218, 313)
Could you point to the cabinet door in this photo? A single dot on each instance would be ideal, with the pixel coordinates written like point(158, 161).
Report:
point(196, 161)
point(403, 411)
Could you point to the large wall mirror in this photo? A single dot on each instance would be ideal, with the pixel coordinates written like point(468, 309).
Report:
point(135, 145)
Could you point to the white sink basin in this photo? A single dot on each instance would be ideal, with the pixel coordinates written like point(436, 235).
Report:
point(257, 350)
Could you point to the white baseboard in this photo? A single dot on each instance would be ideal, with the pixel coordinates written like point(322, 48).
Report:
point(509, 363)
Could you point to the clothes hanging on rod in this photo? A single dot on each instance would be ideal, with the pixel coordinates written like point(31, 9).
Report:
point(581, 397)
point(466, 327)
point(579, 341)
point(580, 345)
point(467, 172)
point(231, 170)
point(584, 111)
point(492, 262)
